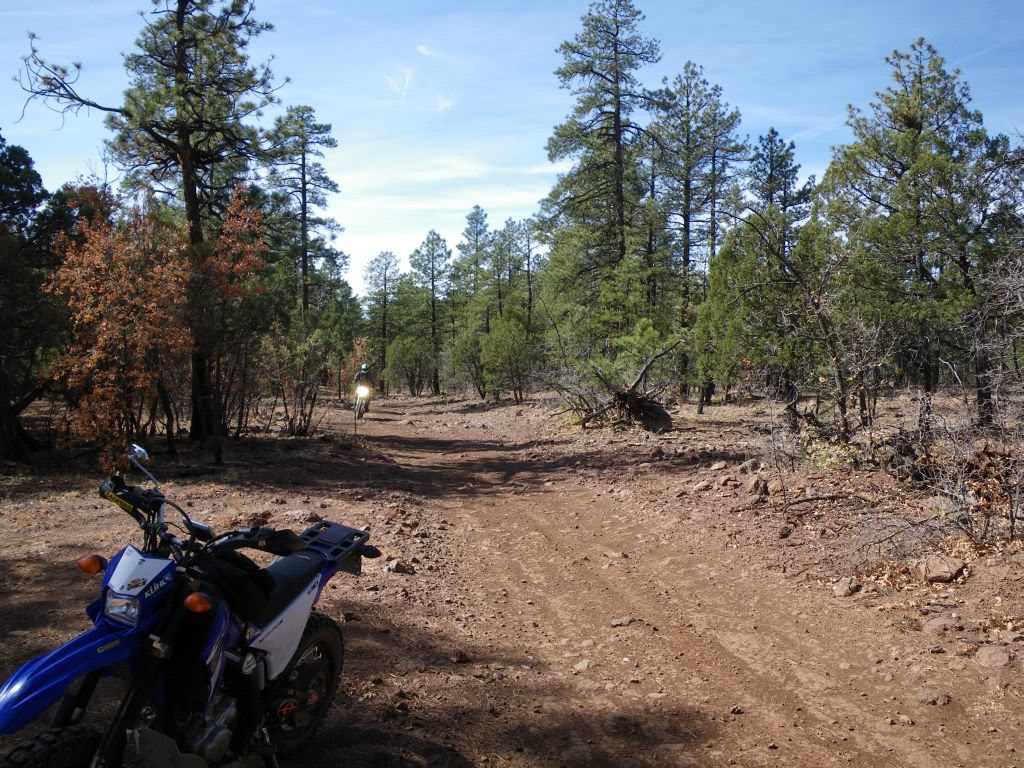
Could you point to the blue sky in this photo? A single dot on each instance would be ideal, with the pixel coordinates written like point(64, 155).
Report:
point(441, 105)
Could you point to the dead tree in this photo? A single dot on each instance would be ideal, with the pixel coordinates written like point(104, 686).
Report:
point(636, 403)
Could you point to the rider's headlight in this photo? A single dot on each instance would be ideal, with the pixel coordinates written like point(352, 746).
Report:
point(363, 391)
point(122, 609)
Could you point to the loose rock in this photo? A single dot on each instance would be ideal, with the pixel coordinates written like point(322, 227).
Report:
point(941, 624)
point(718, 466)
point(992, 657)
point(845, 587)
point(750, 466)
point(400, 566)
point(939, 569)
point(624, 621)
point(929, 696)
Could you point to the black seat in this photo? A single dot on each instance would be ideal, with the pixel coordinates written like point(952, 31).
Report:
point(290, 575)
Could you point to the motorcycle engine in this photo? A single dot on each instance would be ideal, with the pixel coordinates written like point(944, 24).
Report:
point(210, 736)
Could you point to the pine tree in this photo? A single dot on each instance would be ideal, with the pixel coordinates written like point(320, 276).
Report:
point(599, 68)
point(430, 266)
point(381, 275)
point(895, 189)
point(183, 127)
point(296, 141)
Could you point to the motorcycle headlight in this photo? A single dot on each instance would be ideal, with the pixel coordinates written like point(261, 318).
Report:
point(363, 391)
point(122, 609)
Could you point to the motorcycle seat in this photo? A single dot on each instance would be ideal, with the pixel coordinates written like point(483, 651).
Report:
point(290, 575)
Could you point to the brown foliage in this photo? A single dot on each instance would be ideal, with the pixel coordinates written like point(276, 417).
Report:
point(231, 275)
point(125, 286)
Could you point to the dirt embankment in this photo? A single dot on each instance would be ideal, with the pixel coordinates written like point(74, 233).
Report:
point(555, 598)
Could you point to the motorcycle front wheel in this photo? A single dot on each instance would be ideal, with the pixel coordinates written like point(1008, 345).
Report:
point(70, 747)
point(308, 686)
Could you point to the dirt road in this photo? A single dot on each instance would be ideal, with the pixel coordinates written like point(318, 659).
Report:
point(570, 606)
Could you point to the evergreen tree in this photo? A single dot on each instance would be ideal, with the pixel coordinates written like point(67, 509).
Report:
point(600, 69)
point(430, 266)
point(183, 127)
point(296, 141)
point(381, 275)
point(894, 188)
point(21, 193)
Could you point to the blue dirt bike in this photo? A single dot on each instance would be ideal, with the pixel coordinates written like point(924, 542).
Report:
point(224, 659)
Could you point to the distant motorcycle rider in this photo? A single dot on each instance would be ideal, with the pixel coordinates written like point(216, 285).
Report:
point(363, 377)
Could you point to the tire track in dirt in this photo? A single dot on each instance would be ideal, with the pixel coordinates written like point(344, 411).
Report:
point(726, 636)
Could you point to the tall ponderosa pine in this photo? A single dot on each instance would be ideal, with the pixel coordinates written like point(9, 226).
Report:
point(430, 266)
point(600, 66)
point(381, 277)
point(296, 142)
point(183, 127)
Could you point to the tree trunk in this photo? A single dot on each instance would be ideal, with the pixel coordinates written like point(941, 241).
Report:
point(165, 404)
point(620, 164)
point(791, 397)
point(985, 385)
point(305, 236)
point(15, 442)
point(203, 424)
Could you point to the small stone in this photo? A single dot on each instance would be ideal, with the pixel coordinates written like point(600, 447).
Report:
point(939, 569)
point(904, 720)
point(581, 666)
point(750, 466)
point(736, 710)
point(786, 532)
point(624, 621)
point(932, 697)
point(400, 566)
point(718, 466)
point(993, 657)
point(703, 485)
point(757, 487)
point(941, 624)
point(845, 587)
point(459, 657)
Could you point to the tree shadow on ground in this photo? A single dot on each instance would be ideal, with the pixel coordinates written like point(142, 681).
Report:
point(409, 702)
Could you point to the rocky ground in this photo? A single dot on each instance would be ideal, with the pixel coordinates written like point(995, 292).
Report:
point(550, 597)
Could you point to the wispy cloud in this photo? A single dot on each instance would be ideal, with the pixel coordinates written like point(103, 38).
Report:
point(425, 50)
point(445, 103)
point(401, 81)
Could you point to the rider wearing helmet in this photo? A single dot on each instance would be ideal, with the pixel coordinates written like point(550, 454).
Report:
point(363, 377)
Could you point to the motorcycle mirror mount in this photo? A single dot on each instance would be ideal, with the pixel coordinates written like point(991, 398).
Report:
point(136, 455)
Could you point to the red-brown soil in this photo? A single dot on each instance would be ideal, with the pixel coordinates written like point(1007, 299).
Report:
point(576, 602)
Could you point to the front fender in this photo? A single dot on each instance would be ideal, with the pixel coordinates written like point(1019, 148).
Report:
point(42, 681)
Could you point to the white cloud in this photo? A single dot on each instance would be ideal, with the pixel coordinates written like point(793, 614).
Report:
point(425, 50)
point(445, 103)
point(401, 81)
point(545, 169)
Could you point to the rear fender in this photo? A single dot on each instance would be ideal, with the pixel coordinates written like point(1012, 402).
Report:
point(42, 681)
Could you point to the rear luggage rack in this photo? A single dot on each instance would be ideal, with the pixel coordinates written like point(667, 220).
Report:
point(336, 543)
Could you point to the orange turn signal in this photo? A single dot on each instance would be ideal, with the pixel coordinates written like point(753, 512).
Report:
point(92, 564)
point(197, 602)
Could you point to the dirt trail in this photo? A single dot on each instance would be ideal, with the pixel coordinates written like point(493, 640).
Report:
point(715, 660)
point(567, 609)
